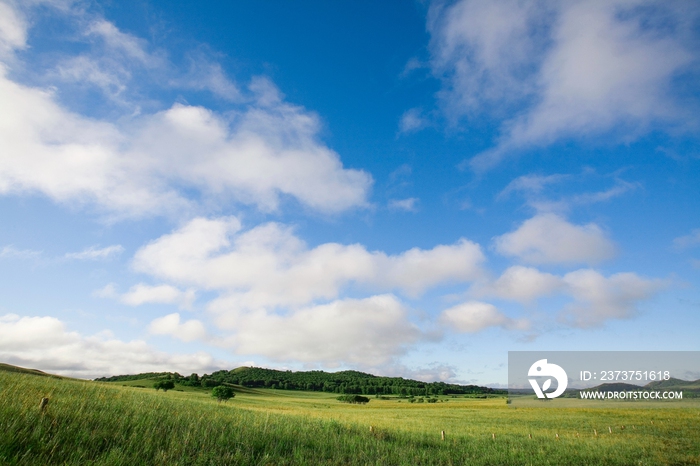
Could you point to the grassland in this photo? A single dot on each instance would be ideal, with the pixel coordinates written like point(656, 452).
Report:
point(101, 423)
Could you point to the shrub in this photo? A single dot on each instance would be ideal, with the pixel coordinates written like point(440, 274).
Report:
point(354, 399)
point(164, 384)
point(222, 393)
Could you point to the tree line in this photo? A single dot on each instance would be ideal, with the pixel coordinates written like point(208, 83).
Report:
point(344, 382)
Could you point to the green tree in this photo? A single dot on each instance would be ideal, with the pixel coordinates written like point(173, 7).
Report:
point(164, 384)
point(222, 393)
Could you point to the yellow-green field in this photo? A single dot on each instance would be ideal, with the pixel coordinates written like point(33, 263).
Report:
point(102, 423)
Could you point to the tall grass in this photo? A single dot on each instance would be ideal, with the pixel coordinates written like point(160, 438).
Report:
point(102, 424)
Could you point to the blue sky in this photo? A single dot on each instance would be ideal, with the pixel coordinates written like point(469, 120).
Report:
point(407, 189)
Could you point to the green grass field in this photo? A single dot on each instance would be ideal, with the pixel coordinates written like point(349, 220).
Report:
point(108, 423)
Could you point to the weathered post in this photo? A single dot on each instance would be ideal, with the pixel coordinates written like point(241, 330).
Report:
point(442, 434)
point(43, 404)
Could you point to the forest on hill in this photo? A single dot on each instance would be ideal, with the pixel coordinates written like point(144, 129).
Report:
point(344, 382)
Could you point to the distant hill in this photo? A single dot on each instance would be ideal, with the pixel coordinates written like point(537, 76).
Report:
point(676, 384)
point(344, 382)
point(615, 387)
point(11, 368)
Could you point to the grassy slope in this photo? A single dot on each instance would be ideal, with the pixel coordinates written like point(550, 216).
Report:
point(98, 423)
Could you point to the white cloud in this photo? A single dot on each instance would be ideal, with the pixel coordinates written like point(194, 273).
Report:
point(549, 239)
point(523, 284)
point(475, 316)
point(11, 252)
point(152, 163)
point(412, 120)
point(164, 294)
point(170, 325)
point(621, 187)
point(269, 152)
point(408, 204)
point(598, 298)
point(531, 184)
point(13, 30)
point(133, 47)
point(567, 69)
point(108, 291)
point(44, 343)
point(485, 50)
point(95, 253)
point(84, 70)
point(687, 241)
point(370, 331)
point(593, 297)
point(269, 266)
point(532, 188)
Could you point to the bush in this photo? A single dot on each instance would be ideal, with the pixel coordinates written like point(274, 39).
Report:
point(164, 384)
point(222, 393)
point(354, 399)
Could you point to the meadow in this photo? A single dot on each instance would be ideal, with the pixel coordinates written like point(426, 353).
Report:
point(97, 423)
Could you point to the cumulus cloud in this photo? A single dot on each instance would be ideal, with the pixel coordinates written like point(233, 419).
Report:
point(45, 343)
point(170, 325)
point(598, 298)
point(95, 253)
point(164, 294)
point(523, 284)
point(568, 69)
point(370, 331)
point(268, 153)
point(152, 163)
point(475, 316)
point(593, 297)
point(269, 266)
point(550, 239)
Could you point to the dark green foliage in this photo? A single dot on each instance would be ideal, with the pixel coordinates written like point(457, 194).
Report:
point(165, 385)
point(345, 382)
point(354, 399)
point(222, 393)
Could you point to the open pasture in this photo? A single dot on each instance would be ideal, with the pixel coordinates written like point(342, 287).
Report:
point(100, 423)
